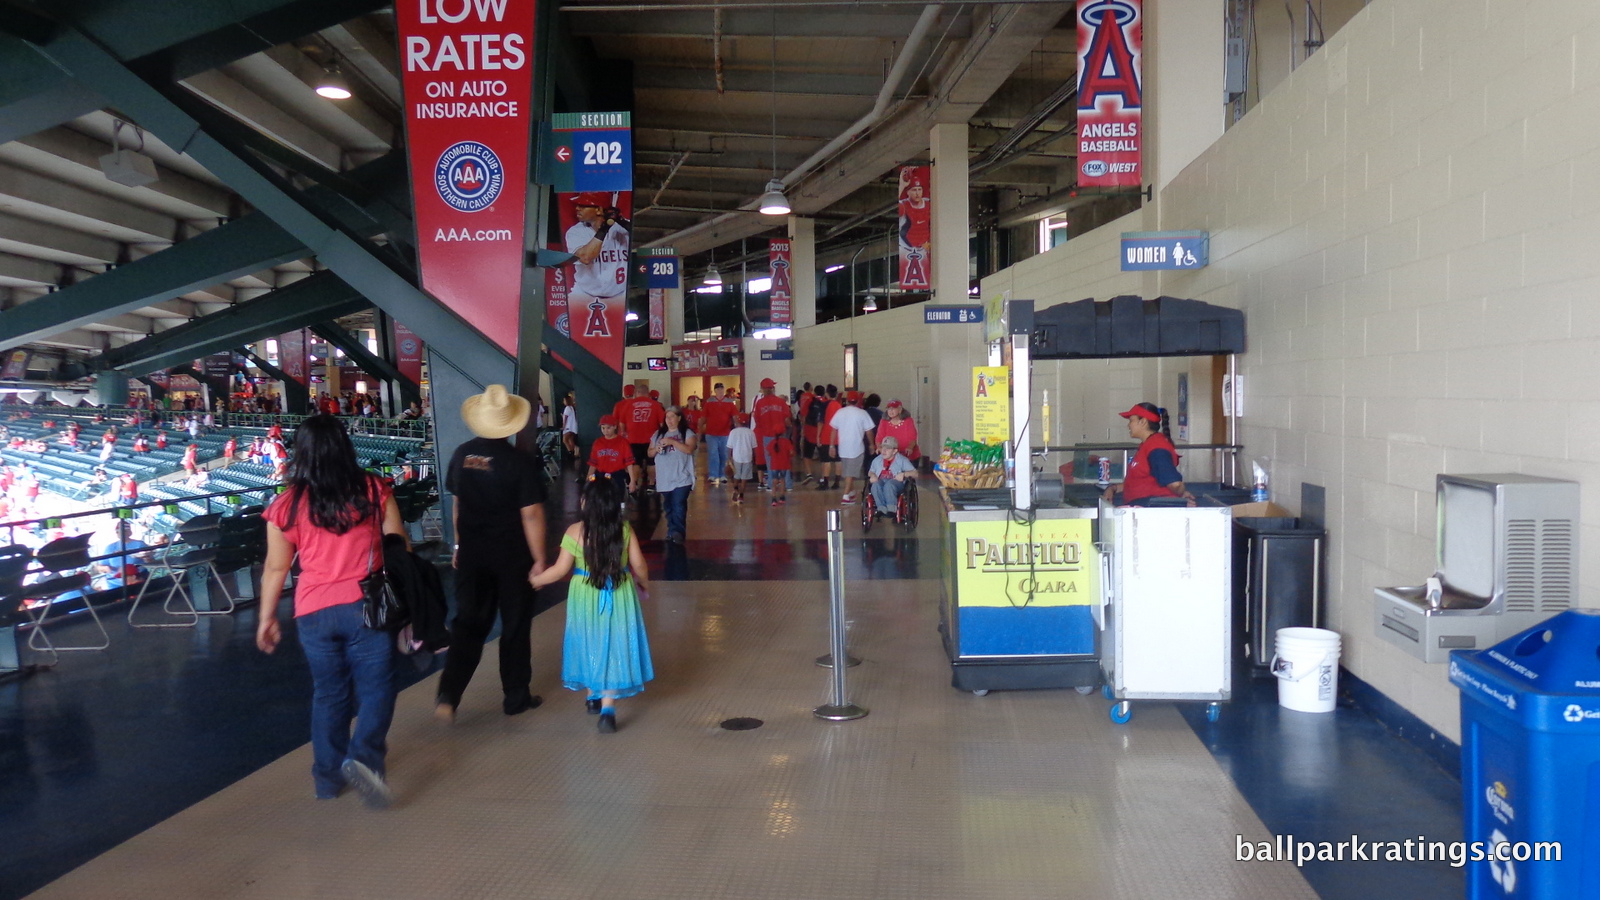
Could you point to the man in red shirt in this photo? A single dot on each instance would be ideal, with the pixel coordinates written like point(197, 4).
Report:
point(802, 404)
point(825, 450)
point(640, 418)
point(610, 455)
point(719, 412)
point(771, 414)
point(620, 408)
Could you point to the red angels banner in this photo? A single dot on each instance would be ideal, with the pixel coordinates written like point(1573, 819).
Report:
point(916, 229)
point(781, 260)
point(658, 314)
point(1110, 92)
point(596, 229)
point(407, 352)
point(467, 76)
point(292, 356)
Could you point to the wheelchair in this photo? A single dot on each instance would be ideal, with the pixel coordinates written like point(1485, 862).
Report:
point(905, 511)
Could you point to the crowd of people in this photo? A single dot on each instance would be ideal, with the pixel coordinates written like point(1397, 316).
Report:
point(817, 435)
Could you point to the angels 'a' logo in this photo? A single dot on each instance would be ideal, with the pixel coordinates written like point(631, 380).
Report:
point(780, 278)
point(596, 325)
point(914, 268)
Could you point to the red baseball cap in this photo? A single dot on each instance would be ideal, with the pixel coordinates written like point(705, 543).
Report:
point(740, 417)
point(768, 382)
point(894, 404)
point(627, 390)
point(595, 199)
point(655, 395)
point(852, 396)
point(1142, 413)
point(608, 419)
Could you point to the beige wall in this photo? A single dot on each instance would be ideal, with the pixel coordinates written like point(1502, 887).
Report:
point(893, 348)
point(1407, 222)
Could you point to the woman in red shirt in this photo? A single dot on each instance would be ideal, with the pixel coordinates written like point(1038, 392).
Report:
point(1153, 472)
point(900, 426)
point(334, 515)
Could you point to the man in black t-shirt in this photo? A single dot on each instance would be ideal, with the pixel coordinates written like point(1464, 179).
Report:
point(498, 518)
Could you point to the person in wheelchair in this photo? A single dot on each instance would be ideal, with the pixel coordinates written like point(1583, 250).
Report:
point(887, 475)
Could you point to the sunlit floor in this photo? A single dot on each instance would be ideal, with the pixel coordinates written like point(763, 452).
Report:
point(935, 793)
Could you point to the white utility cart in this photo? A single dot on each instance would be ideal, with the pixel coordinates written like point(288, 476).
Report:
point(1167, 609)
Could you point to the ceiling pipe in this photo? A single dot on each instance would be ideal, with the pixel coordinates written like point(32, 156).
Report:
point(891, 86)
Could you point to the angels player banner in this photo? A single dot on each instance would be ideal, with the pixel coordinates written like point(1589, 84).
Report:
point(557, 284)
point(916, 231)
point(468, 81)
point(596, 229)
point(292, 355)
point(407, 352)
point(1110, 91)
point(781, 261)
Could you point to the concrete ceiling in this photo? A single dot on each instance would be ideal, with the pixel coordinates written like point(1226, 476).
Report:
point(721, 102)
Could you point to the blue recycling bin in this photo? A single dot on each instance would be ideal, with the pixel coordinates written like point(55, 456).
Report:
point(1530, 760)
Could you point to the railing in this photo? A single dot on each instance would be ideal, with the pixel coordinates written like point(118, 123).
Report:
point(117, 415)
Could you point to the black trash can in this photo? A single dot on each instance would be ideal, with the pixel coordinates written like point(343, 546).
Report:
point(1277, 582)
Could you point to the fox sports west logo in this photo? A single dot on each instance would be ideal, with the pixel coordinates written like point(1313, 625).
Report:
point(469, 176)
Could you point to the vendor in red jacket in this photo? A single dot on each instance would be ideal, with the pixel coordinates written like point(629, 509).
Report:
point(1153, 472)
point(610, 455)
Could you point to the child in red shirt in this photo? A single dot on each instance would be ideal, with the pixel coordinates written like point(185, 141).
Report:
point(611, 455)
point(780, 465)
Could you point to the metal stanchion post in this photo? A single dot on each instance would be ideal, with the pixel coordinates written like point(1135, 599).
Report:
point(838, 709)
point(836, 585)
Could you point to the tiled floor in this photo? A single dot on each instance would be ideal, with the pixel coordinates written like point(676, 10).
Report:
point(936, 793)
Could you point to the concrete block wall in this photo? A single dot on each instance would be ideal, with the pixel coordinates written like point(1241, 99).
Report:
point(1408, 221)
point(892, 350)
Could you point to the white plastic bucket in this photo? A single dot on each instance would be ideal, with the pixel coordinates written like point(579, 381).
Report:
point(1307, 667)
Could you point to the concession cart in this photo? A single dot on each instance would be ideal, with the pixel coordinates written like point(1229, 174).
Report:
point(1046, 585)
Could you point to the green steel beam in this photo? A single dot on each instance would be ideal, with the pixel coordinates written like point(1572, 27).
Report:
point(317, 298)
point(245, 245)
point(164, 111)
point(296, 396)
point(370, 362)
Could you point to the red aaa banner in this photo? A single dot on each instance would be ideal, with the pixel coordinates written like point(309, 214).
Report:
point(468, 81)
point(408, 353)
point(596, 229)
point(781, 260)
point(1110, 92)
point(916, 229)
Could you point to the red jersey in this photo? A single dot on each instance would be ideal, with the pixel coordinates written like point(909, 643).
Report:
point(695, 419)
point(719, 416)
point(640, 418)
point(824, 431)
point(130, 490)
point(780, 453)
point(1140, 482)
point(771, 415)
point(620, 410)
point(610, 454)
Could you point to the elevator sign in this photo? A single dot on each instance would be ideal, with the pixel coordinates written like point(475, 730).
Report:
point(1147, 250)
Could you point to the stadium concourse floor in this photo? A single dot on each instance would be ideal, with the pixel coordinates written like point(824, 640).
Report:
point(174, 764)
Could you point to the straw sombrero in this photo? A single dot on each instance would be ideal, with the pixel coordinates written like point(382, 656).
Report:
point(495, 413)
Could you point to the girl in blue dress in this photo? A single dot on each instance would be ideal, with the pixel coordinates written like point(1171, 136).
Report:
point(605, 652)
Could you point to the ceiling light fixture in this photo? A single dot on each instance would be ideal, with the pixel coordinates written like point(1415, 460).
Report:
point(333, 85)
point(871, 305)
point(713, 277)
point(773, 202)
point(128, 166)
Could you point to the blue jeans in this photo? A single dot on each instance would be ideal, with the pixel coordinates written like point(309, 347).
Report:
point(886, 493)
point(676, 504)
point(716, 455)
point(351, 677)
